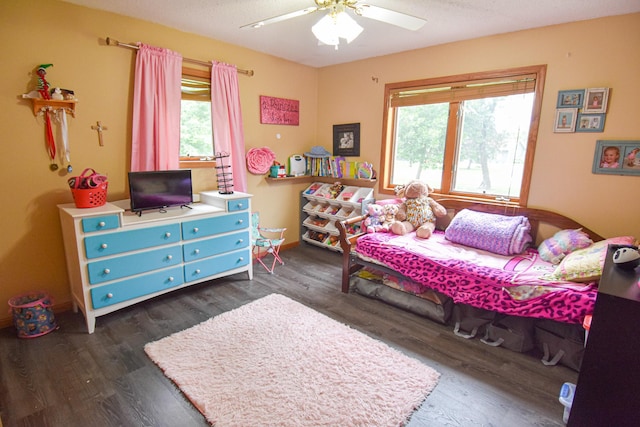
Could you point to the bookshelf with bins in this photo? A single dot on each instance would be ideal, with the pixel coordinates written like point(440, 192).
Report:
point(322, 206)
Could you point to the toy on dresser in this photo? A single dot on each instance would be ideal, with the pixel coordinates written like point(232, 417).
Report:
point(626, 258)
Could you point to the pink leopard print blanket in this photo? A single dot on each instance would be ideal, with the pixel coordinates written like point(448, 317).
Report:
point(504, 284)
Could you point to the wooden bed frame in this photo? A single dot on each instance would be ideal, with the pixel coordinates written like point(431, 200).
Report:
point(537, 217)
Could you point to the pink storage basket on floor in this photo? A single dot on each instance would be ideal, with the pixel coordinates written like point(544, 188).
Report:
point(32, 314)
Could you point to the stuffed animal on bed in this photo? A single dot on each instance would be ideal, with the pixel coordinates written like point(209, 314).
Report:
point(421, 210)
point(390, 213)
point(375, 217)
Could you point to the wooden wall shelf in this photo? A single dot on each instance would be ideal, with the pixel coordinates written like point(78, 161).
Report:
point(39, 104)
point(369, 183)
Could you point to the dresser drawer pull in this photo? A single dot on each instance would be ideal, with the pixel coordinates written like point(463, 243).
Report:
point(103, 246)
point(167, 234)
point(196, 229)
point(196, 251)
point(109, 295)
point(240, 205)
point(171, 279)
point(241, 259)
point(106, 271)
point(169, 257)
point(102, 224)
point(240, 240)
point(197, 271)
point(240, 221)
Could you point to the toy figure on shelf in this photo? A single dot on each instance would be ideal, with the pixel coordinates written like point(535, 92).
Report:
point(336, 189)
point(43, 90)
point(43, 84)
point(57, 94)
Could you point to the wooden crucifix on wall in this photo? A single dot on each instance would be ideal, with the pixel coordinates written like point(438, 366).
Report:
point(98, 127)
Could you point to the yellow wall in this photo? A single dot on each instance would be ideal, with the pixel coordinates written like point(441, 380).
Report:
point(72, 38)
point(600, 53)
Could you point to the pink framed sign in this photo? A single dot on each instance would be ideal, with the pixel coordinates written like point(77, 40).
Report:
point(279, 111)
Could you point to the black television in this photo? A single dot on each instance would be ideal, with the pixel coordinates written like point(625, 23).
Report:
point(160, 189)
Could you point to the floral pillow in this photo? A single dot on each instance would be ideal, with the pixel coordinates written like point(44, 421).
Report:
point(585, 265)
point(555, 248)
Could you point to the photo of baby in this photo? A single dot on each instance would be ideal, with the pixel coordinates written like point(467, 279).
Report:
point(596, 100)
point(610, 157)
point(565, 120)
point(632, 158)
point(615, 157)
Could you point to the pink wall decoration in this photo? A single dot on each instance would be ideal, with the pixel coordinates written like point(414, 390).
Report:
point(279, 111)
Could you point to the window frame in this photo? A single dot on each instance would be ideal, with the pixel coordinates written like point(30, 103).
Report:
point(389, 129)
point(191, 162)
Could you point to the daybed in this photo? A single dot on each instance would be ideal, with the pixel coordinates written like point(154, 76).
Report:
point(434, 276)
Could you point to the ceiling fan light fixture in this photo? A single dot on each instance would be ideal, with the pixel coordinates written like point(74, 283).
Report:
point(334, 26)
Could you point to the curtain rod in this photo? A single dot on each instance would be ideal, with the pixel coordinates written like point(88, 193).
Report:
point(113, 42)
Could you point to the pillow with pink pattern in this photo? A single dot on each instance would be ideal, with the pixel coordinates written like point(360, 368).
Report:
point(585, 265)
point(555, 248)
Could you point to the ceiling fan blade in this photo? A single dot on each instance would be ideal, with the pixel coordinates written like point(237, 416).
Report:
point(390, 17)
point(280, 18)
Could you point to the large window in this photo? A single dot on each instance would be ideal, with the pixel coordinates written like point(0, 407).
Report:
point(470, 136)
point(196, 135)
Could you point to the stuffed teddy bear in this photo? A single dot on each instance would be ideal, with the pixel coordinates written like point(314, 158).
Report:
point(390, 213)
point(373, 222)
point(421, 210)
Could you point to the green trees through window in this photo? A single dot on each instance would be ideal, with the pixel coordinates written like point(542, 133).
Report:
point(469, 136)
point(196, 136)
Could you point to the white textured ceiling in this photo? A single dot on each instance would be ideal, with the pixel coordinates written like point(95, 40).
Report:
point(447, 21)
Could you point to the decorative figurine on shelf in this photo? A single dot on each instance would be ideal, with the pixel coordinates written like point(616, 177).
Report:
point(57, 94)
point(43, 84)
point(43, 90)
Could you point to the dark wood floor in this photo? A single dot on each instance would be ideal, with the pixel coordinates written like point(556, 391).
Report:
point(70, 378)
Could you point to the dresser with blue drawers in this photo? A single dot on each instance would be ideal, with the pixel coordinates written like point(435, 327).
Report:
point(116, 258)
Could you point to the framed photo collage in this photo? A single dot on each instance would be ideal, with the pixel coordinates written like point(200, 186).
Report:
point(581, 110)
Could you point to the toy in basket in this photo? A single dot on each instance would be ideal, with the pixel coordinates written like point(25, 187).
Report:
point(89, 189)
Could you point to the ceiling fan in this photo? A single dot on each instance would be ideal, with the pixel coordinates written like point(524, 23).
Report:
point(338, 24)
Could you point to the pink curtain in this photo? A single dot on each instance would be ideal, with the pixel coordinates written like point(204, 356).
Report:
point(155, 142)
point(228, 134)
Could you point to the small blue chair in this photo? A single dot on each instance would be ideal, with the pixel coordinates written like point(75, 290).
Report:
point(265, 241)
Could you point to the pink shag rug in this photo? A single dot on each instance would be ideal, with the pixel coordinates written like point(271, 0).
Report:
point(276, 362)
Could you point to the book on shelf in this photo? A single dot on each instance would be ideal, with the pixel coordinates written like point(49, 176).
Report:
point(338, 167)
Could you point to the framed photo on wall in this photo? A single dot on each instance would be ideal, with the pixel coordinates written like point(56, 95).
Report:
point(595, 100)
point(590, 123)
point(617, 158)
point(346, 140)
point(570, 98)
point(566, 120)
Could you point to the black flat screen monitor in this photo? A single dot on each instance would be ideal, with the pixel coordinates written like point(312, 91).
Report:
point(160, 189)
